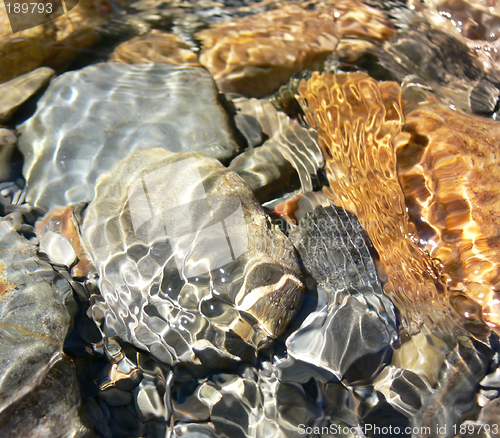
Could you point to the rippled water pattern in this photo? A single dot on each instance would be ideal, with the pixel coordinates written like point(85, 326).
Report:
point(357, 118)
point(114, 109)
point(251, 218)
point(195, 275)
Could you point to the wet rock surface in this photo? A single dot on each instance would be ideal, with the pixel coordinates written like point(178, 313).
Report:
point(168, 267)
point(356, 118)
point(255, 55)
point(89, 119)
point(431, 409)
point(16, 91)
point(290, 152)
point(39, 393)
point(448, 172)
point(473, 23)
point(54, 44)
point(148, 291)
point(434, 59)
point(10, 163)
point(65, 224)
point(156, 46)
point(354, 323)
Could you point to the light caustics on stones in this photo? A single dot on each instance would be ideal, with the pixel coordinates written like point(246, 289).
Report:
point(193, 315)
point(155, 46)
point(188, 195)
point(354, 323)
point(356, 118)
point(91, 118)
point(290, 150)
point(53, 44)
point(189, 266)
point(255, 55)
point(448, 168)
point(39, 393)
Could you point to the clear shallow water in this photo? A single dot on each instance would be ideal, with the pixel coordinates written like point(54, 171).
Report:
point(250, 219)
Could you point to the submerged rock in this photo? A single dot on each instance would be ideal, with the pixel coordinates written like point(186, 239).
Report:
point(156, 46)
point(10, 165)
point(255, 55)
point(39, 394)
point(442, 63)
point(64, 223)
point(351, 331)
point(182, 18)
point(53, 44)
point(256, 404)
point(438, 410)
point(356, 118)
point(190, 268)
point(290, 150)
point(18, 90)
point(90, 119)
point(58, 249)
point(448, 166)
point(475, 23)
point(262, 401)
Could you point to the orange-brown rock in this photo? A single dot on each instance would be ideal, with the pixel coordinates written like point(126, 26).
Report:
point(254, 55)
point(356, 118)
point(449, 168)
point(287, 209)
point(63, 221)
point(54, 44)
point(156, 46)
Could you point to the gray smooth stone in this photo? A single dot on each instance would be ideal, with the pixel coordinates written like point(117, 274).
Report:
point(351, 331)
point(39, 394)
point(88, 120)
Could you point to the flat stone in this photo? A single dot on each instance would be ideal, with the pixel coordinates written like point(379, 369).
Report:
point(90, 119)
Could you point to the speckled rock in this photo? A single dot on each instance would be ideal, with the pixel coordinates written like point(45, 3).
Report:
point(190, 268)
point(351, 331)
point(39, 394)
point(91, 118)
point(357, 118)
